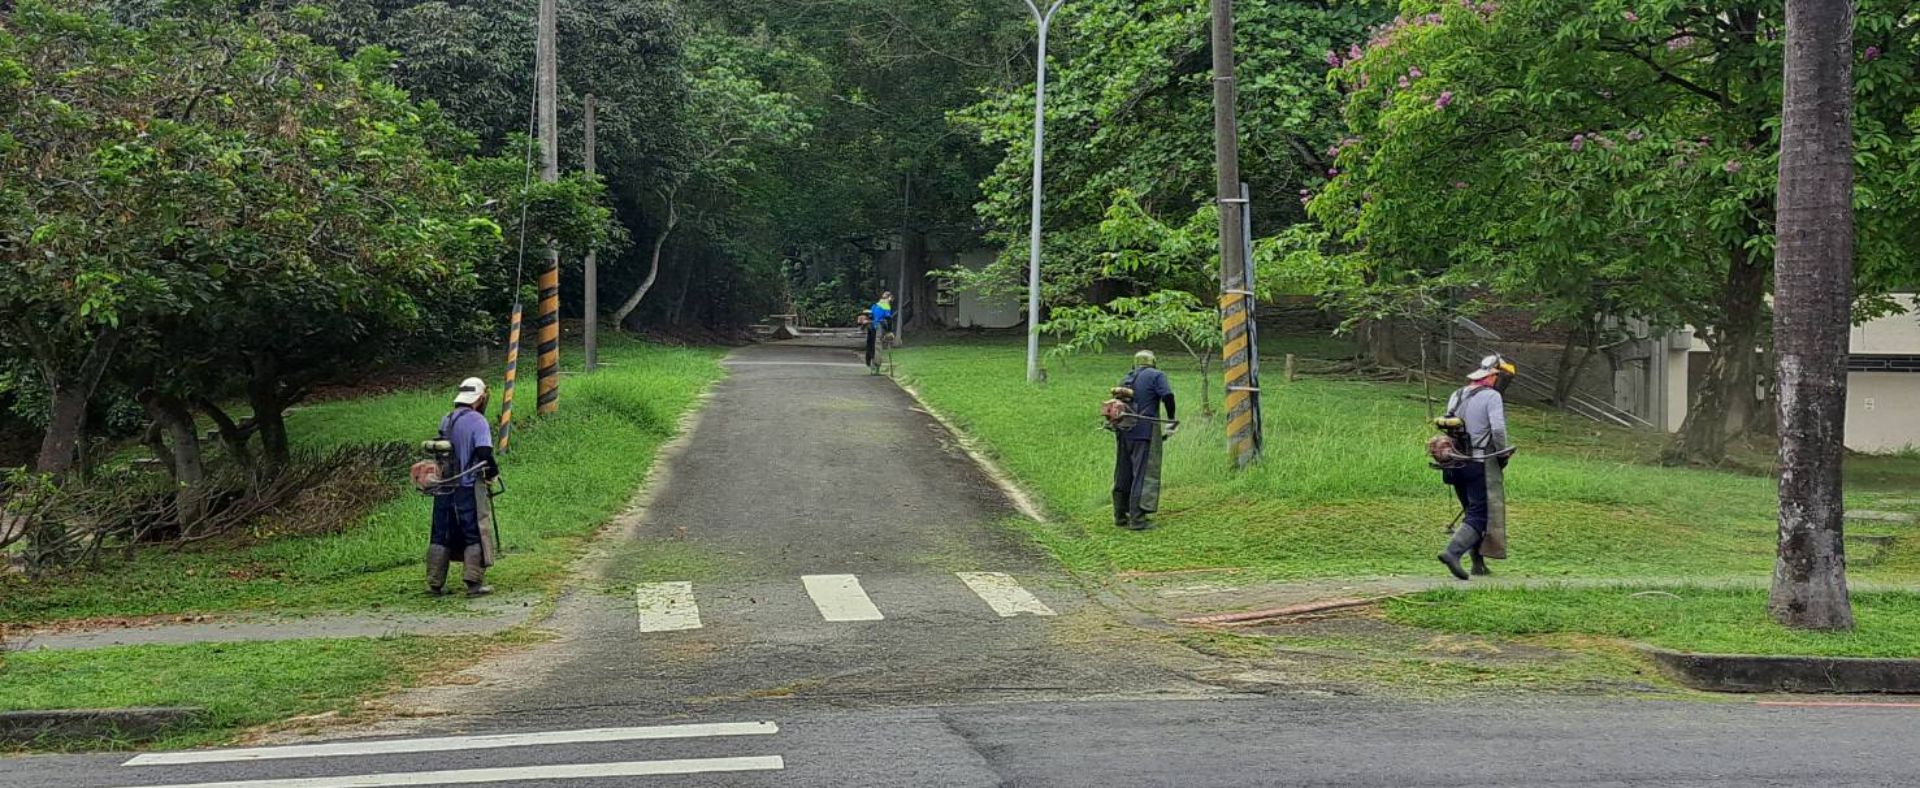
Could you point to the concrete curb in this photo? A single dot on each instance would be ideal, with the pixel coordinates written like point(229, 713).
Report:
point(25, 727)
point(1814, 675)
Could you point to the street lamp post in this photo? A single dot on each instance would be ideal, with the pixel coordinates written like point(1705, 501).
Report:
point(1045, 20)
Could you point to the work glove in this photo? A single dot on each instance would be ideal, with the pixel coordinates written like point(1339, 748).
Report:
point(1169, 429)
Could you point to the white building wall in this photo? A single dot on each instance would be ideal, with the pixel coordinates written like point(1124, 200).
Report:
point(971, 310)
point(1897, 335)
point(1883, 411)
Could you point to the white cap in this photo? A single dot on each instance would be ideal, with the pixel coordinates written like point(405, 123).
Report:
point(471, 390)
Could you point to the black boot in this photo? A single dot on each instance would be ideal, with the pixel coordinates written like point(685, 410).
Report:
point(1120, 519)
point(1464, 540)
point(1480, 565)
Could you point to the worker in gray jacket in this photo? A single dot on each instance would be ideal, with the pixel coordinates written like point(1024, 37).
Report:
point(1477, 419)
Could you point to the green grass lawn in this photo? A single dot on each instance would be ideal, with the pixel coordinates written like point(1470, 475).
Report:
point(1344, 490)
point(565, 476)
point(239, 684)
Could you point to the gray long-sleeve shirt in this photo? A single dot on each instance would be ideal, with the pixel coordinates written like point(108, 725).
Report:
point(1485, 413)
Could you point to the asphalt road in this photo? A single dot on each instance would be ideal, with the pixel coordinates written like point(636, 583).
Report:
point(823, 593)
point(1217, 742)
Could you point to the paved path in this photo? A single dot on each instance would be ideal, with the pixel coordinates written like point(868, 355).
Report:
point(819, 541)
point(489, 616)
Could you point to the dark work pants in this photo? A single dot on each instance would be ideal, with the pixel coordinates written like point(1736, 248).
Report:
point(1129, 472)
point(456, 521)
point(1470, 486)
point(873, 334)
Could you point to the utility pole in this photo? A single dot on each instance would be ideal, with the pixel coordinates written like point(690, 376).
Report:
point(547, 316)
point(1236, 293)
point(1045, 20)
point(593, 265)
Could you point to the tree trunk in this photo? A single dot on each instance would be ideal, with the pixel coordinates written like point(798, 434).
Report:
point(183, 444)
point(917, 293)
point(680, 301)
point(1813, 299)
point(232, 437)
point(653, 270)
point(1206, 386)
point(269, 414)
point(60, 448)
point(1730, 367)
point(1573, 360)
point(1378, 338)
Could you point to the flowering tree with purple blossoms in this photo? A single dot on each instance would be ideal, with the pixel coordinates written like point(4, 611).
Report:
point(1614, 157)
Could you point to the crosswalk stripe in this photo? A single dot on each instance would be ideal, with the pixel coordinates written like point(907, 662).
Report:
point(1004, 594)
point(840, 598)
point(451, 743)
point(667, 607)
point(581, 771)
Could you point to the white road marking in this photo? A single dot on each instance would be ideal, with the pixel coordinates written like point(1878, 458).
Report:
point(1004, 594)
point(840, 598)
point(667, 607)
point(581, 771)
point(451, 743)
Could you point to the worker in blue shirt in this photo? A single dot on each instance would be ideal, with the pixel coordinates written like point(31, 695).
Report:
point(1136, 461)
point(879, 321)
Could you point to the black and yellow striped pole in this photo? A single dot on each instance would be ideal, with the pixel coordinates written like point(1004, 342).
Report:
point(546, 319)
point(1236, 292)
point(513, 371)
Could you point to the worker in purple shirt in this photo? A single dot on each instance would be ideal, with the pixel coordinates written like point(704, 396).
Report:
point(459, 515)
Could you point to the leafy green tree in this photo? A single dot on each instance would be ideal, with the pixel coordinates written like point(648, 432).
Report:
point(884, 171)
point(208, 207)
point(1130, 120)
point(105, 160)
point(733, 120)
point(1613, 157)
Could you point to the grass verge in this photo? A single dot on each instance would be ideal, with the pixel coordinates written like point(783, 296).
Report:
point(1344, 492)
point(239, 684)
point(566, 476)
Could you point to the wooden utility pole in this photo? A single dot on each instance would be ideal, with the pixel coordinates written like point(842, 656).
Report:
point(547, 316)
point(1813, 297)
point(1236, 295)
point(593, 265)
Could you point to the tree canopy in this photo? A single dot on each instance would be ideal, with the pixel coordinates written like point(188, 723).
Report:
point(1604, 159)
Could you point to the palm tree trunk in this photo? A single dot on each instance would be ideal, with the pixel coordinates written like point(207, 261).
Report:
point(1813, 264)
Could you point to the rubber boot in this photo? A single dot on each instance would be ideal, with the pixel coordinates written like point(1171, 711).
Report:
point(474, 571)
point(1120, 519)
point(437, 560)
point(1464, 540)
point(1480, 565)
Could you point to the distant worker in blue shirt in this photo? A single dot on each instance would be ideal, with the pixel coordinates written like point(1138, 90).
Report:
point(1136, 460)
point(879, 321)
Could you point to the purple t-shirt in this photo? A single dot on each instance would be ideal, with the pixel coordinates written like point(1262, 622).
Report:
point(467, 429)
